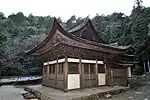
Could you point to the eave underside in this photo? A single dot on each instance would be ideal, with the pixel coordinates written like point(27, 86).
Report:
point(62, 50)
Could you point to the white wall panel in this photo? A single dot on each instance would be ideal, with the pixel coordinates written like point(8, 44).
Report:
point(73, 81)
point(129, 71)
point(101, 79)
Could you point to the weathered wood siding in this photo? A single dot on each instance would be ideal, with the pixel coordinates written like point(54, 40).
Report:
point(53, 80)
point(120, 76)
point(89, 80)
point(109, 79)
point(60, 81)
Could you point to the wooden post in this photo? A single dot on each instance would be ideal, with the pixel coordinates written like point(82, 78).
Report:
point(96, 72)
point(81, 74)
point(89, 74)
point(126, 76)
point(47, 71)
point(105, 68)
point(66, 75)
point(43, 76)
point(56, 73)
point(112, 78)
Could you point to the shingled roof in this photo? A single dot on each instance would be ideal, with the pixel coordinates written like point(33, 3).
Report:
point(57, 26)
point(86, 25)
point(79, 25)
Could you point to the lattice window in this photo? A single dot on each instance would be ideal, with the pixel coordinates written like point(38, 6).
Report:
point(73, 68)
point(101, 68)
point(60, 69)
point(52, 69)
point(86, 68)
point(89, 68)
point(92, 68)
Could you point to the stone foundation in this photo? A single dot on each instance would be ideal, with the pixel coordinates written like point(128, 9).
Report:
point(45, 93)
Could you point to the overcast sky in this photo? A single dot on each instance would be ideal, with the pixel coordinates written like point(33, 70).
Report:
point(66, 8)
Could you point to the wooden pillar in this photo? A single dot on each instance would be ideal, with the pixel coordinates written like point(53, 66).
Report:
point(47, 71)
point(66, 75)
point(89, 74)
point(129, 71)
point(56, 73)
point(43, 70)
point(96, 72)
point(106, 69)
point(81, 74)
point(112, 78)
point(126, 77)
point(43, 75)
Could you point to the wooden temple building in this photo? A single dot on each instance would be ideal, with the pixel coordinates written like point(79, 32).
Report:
point(79, 58)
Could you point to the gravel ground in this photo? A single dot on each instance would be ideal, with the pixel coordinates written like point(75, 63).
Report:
point(11, 93)
point(14, 93)
point(141, 93)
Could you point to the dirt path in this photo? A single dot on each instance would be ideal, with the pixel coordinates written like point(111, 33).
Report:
point(11, 93)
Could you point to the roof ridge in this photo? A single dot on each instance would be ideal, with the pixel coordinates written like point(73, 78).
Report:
point(83, 21)
point(56, 26)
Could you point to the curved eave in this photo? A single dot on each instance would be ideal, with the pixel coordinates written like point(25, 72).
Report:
point(127, 55)
point(37, 54)
point(129, 62)
point(89, 48)
point(48, 37)
point(64, 32)
point(57, 26)
point(125, 65)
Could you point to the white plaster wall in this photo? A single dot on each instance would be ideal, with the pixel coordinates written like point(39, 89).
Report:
point(53, 62)
point(102, 79)
point(73, 81)
point(61, 60)
point(100, 62)
point(88, 61)
point(129, 71)
point(73, 60)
